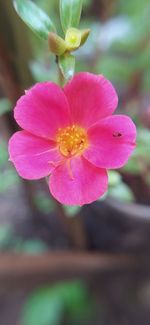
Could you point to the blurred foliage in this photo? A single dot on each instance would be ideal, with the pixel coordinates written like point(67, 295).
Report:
point(114, 178)
point(44, 203)
point(8, 176)
point(3, 154)
point(30, 246)
point(6, 234)
point(43, 71)
point(71, 211)
point(10, 241)
point(139, 163)
point(51, 305)
point(5, 106)
point(121, 192)
point(134, 8)
point(117, 188)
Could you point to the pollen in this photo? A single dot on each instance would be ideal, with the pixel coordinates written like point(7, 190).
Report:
point(72, 140)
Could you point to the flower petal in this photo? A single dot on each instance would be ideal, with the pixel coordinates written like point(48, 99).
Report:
point(111, 142)
point(33, 157)
point(42, 110)
point(91, 97)
point(78, 183)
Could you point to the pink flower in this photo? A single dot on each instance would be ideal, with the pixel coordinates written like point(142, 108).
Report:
point(71, 135)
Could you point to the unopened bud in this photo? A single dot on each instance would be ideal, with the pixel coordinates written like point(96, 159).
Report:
point(84, 35)
point(73, 39)
point(56, 44)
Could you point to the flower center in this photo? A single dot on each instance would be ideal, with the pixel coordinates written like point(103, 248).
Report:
point(72, 140)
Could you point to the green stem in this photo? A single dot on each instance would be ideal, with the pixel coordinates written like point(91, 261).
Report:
point(61, 78)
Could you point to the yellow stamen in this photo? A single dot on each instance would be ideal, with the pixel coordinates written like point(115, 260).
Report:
point(72, 140)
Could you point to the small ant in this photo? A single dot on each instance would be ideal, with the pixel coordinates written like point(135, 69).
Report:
point(117, 134)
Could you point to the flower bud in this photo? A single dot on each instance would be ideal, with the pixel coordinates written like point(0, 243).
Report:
point(73, 39)
point(84, 35)
point(56, 44)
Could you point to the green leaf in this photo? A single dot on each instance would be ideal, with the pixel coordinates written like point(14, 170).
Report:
point(75, 297)
point(70, 12)
point(5, 106)
point(48, 305)
point(42, 308)
point(67, 65)
point(34, 17)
